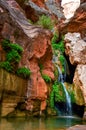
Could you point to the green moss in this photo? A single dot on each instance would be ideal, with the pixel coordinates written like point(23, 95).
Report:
point(54, 39)
point(45, 22)
point(57, 94)
point(23, 72)
point(72, 95)
point(58, 46)
point(62, 60)
point(46, 78)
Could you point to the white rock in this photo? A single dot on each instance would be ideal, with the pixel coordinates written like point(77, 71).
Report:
point(69, 7)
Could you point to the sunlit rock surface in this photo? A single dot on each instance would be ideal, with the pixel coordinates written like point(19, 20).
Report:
point(69, 7)
point(75, 47)
point(77, 23)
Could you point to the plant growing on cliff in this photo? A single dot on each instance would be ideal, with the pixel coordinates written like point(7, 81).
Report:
point(45, 22)
point(6, 65)
point(57, 94)
point(58, 45)
point(23, 72)
point(13, 56)
point(8, 46)
point(46, 78)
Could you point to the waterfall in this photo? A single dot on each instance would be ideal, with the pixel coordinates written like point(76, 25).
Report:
point(61, 79)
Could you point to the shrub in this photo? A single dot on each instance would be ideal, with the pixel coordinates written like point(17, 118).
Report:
point(54, 39)
point(46, 78)
point(6, 44)
point(45, 22)
point(6, 65)
point(57, 94)
point(16, 47)
point(23, 72)
point(13, 56)
point(62, 59)
point(59, 46)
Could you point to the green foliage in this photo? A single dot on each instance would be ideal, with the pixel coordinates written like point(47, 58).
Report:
point(62, 60)
point(16, 47)
point(23, 72)
point(6, 44)
point(57, 94)
point(41, 67)
point(45, 22)
point(46, 78)
point(13, 56)
point(59, 46)
point(54, 39)
point(6, 65)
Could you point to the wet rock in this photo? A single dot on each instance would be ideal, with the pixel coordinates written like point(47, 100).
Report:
point(77, 127)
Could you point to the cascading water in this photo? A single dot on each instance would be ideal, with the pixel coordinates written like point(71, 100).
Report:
point(61, 79)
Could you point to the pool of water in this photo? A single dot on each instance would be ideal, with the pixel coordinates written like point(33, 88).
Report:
point(51, 123)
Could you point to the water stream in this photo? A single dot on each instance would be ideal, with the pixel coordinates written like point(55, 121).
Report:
point(62, 79)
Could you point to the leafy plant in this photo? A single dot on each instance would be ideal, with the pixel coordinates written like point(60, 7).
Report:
point(57, 94)
point(23, 72)
point(45, 22)
point(6, 65)
point(54, 39)
point(46, 78)
point(13, 56)
point(59, 46)
point(6, 44)
point(16, 47)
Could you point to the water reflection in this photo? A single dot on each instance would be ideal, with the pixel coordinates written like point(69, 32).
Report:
point(38, 124)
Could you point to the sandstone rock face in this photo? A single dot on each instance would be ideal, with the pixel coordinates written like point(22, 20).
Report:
point(12, 91)
point(75, 48)
point(80, 79)
point(37, 48)
point(77, 22)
